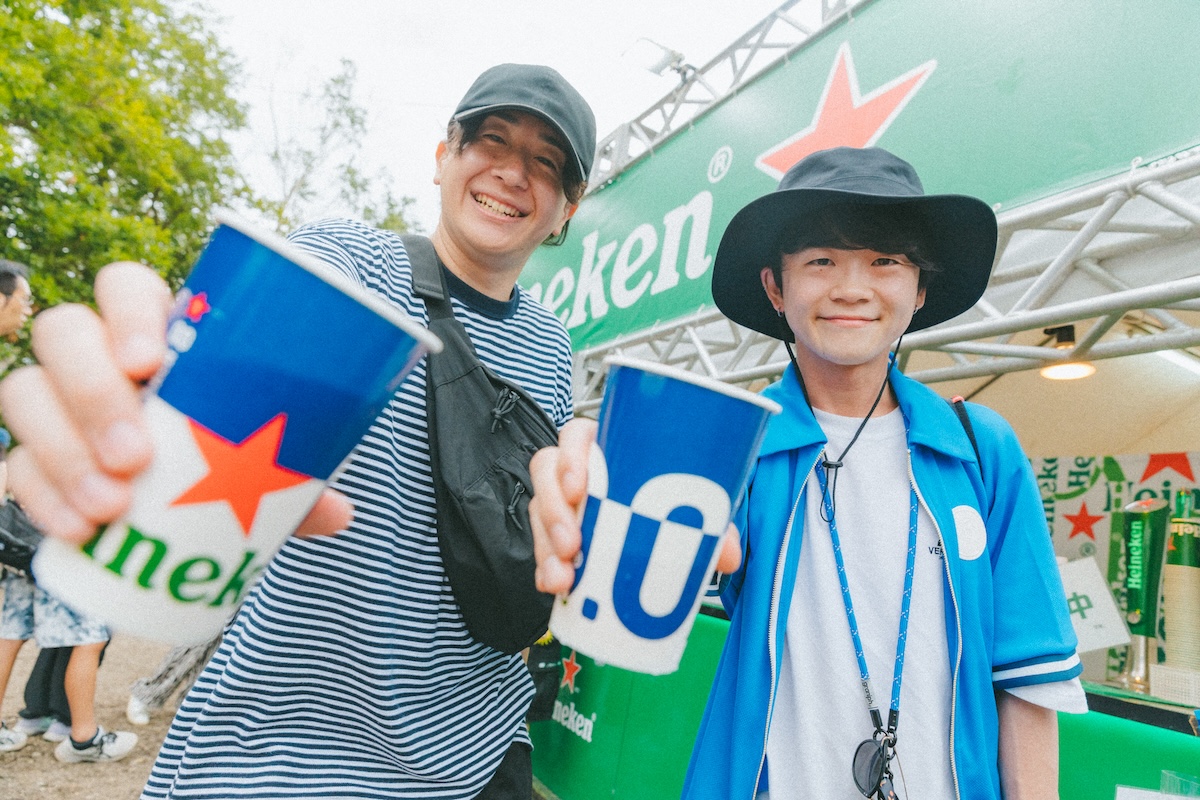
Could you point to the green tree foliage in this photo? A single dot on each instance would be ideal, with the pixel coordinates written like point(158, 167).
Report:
point(112, 117)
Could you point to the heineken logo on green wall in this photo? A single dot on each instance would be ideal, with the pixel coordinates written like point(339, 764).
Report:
point(565, 713)
point(673, 255)
point(989, 121)
point(844, 118)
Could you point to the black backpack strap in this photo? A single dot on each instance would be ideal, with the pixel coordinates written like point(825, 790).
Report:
point(428, 282)
point(960, 409)
point(482, 432)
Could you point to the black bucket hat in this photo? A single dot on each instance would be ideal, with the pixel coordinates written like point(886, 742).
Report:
point(538, 90)
point(962, 231)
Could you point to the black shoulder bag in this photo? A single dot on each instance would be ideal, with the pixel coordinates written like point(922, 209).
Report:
point(19, 539)
point(483, 430)
point(960, 410)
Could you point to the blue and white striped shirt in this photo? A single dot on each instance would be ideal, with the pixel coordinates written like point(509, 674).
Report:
point(349, 672)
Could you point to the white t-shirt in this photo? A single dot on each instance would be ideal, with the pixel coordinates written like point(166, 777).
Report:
point(820, 712)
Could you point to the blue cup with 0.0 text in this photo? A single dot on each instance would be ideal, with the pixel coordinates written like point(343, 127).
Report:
point(673, 454)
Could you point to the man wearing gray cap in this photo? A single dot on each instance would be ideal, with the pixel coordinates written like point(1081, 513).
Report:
point(349, 671)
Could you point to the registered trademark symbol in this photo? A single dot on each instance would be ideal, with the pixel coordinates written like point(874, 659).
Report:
point(719, 164)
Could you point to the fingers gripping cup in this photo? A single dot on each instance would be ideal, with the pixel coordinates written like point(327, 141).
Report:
point(276, 368)
point(674, 452)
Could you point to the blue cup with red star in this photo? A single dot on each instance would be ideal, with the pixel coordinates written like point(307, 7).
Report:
point(672, 457)
point(277, 365)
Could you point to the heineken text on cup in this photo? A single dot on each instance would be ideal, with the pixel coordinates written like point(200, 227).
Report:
point(277, 366)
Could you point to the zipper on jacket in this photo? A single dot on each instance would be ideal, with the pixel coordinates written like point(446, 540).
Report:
point(957, 626)
point(772, 617)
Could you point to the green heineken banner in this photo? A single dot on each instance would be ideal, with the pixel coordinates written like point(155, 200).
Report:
point(1087, 501)
point(1008, 102)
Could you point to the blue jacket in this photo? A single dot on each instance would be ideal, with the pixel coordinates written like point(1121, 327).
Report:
point(1006, 618)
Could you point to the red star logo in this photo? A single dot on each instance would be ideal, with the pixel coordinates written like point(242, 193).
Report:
point(843, 116)
point(1176, 461)
point(1083, 522)
point(197, 307)
point(571, 668)
point(241, 473)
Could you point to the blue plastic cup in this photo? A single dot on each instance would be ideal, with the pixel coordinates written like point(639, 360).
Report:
point(277, 366)
point(674, 452)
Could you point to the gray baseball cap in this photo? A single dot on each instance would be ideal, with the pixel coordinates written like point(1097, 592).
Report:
point(538, 90)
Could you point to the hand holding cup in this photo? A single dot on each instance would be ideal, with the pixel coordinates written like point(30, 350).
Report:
point(660, 491)
point(275, 367)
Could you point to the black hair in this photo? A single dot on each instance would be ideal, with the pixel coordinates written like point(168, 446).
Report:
point(460, 133)
point(855, 226)
point(10, 271)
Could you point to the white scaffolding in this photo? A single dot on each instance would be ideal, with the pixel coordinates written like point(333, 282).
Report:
point(775, 38)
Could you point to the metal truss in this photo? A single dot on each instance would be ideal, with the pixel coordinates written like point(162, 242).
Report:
point(1119, 259)
point(773, 39)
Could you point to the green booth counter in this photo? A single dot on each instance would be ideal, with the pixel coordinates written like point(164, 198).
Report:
point(626, 736)
point(619, 734)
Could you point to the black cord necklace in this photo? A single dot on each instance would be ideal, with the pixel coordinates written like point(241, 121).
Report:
point(832, 465)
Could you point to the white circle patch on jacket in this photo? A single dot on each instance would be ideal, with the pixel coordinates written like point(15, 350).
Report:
point(972, 535)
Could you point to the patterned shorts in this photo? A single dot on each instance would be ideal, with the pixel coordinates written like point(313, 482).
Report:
point(30, 612)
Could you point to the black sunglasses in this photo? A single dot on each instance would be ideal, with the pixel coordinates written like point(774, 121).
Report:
point(871, 773)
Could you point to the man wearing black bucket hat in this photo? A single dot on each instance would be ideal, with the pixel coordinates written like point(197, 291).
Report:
point(878, 544)
point(349, 671)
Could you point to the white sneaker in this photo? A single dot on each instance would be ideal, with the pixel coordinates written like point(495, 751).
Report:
point(106, 746)
point(32, 726)
point(11, 740)
point(136, 712)
point(57, 731)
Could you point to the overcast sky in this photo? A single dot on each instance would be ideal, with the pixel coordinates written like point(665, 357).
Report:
point(416, 58)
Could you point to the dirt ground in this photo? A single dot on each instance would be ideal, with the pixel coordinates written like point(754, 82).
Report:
point(32, 773)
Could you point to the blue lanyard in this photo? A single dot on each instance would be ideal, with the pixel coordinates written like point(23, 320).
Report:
point(905, 603)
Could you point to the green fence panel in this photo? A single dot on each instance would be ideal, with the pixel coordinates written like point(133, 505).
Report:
point(1098, 752)
point(576, 753)
point(621, 734)
point(664, 715)
point(624, 736)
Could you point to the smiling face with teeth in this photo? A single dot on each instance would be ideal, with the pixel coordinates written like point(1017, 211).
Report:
point(502, 196)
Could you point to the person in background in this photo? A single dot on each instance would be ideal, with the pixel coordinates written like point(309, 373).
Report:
point(16, 304)
point(28, 612)
point(349, 670)
point(178, 670)
point(887, 547)
point(16, 298)
point(47, 711)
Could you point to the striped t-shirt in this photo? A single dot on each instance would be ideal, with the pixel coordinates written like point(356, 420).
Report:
point(349, 672)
